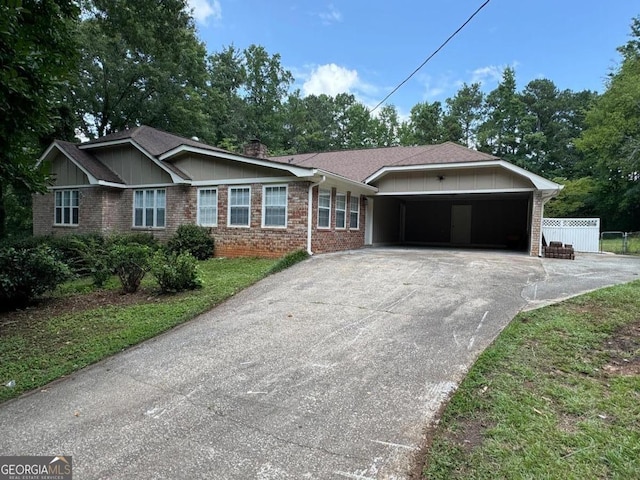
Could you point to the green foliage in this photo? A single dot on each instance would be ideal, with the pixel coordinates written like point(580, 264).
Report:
point(193, 239)
point(130, 263)
point(576, 199)
point(26, 273)
point(549, 399)
point(289, 260)
point(133, 239)
point(37, 54)
point(141, 62)
point(47, 347)
point(175, 272)
point(611, 140)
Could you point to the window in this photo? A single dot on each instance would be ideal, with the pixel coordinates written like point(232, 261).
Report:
point(274, 206)
point(149, 208)
point(239, 206)
point(324, 209)
point(208, 207)
point(67, 207)
point(354, 212)
point(341, 210)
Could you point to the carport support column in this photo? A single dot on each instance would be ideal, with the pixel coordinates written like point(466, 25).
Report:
point(536, 225)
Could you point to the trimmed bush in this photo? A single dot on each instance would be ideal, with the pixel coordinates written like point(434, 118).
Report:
point(134, 238)
point(26, 273)
point(175, 272)
point(131, 263)
point(193, 239)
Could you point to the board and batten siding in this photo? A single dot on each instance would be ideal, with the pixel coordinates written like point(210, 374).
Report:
point(66, 173)
point(450, 180)
point(133, 166)
point(202, 168)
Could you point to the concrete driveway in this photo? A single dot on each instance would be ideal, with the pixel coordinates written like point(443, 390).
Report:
point(331, 369)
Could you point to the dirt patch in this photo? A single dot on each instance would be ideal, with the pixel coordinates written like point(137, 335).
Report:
point(624, 351)
point(47, 308)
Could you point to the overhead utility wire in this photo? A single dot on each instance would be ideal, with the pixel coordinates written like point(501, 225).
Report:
point(430, 56)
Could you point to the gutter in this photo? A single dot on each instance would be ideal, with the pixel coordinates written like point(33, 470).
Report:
point(310, 213)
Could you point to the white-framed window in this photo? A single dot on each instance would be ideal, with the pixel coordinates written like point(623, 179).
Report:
point(274, 206)
point(354, 212)
point(208, 207)
point(239, 214)
point(324, 209)
point(149, 207)
point(341, 210)
point(67, 207)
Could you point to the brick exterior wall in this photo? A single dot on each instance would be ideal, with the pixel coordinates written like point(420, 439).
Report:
point(324, 240)
point(536, 224)
point(257, 241)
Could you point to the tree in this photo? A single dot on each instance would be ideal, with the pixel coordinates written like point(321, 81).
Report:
point(500, 134)
point(611, 139)
point(424, 126)
point(266, 85)
point(141, 62)
point(37, 45)
point(385, 127)
point(466, 108)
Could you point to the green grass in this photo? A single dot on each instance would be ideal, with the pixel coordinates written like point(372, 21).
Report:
point(542, 401)
point(33, 353)
point(615, 245)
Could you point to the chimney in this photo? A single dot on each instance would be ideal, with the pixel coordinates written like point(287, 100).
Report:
point(256, 149)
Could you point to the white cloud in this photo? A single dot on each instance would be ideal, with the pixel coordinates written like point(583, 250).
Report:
point(204, 9)
point(491, 74)
point(333, 15)
point(331, 79)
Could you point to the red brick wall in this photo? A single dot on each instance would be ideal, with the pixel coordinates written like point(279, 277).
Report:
point(257, 241)
point(325, 240)
point(108, 210)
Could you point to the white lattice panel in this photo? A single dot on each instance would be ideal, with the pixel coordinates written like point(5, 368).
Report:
point(582, 233)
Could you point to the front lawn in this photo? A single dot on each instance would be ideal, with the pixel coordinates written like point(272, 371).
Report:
point(556, 396)
point(78, 326)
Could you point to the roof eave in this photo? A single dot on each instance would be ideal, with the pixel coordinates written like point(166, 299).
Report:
point(300, 172)
point(92, 179)
point(539, 182)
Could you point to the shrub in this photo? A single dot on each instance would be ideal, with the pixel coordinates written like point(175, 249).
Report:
point(289, 260)
point(193, 239)
point(26, 273)
point(175, 272)
point(134, 238)
point(131, 263)
point(79, 252)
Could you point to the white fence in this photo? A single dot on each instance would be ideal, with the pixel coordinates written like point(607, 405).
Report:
point(582, 233)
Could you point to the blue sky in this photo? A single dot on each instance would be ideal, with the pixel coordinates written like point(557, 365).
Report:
point(368, 47)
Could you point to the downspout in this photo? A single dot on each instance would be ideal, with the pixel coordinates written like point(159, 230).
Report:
point(310, 213)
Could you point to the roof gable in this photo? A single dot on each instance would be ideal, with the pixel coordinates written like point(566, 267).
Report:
point(95, 170)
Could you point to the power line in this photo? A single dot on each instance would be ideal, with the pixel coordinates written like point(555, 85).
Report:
point(430, 56)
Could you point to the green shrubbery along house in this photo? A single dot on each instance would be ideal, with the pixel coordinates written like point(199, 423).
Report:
point(147, 180)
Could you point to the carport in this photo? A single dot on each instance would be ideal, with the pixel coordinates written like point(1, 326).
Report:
point(490, 204)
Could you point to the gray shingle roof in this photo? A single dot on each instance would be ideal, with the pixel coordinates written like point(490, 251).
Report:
point(360, 164)
point(154, 141)
point(89, 162)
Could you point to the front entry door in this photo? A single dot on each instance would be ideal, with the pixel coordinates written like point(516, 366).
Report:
point(461, 224)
